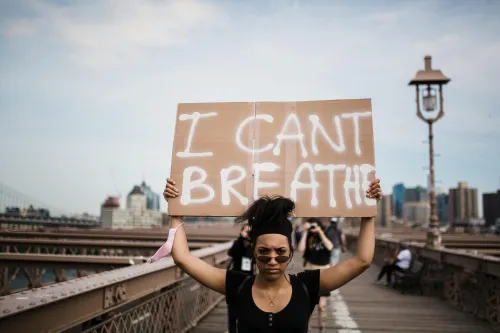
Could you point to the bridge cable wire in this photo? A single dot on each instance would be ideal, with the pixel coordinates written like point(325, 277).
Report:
point(10, 197)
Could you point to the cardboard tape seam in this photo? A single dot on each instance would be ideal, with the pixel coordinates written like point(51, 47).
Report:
point(253, 139)
point(290, 152)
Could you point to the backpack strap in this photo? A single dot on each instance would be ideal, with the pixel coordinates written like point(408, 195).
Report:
point(303, 286)
point(238, 291)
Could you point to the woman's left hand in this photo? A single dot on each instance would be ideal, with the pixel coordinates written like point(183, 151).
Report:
point(374, 190)
point(170, 190)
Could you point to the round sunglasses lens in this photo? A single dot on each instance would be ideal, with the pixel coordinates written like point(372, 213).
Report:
point(264, 259)
point(267, 259)
point(282, 259)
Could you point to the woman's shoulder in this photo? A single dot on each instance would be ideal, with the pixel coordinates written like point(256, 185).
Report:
point(236, 275)
point(234, 282)
point(310, 282)
point(308, 276)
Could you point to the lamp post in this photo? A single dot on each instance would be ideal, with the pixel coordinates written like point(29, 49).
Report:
point(431, 81)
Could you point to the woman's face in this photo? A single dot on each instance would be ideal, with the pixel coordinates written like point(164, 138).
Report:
point(272, 255)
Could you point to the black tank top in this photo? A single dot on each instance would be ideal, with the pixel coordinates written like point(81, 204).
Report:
point(294, 318)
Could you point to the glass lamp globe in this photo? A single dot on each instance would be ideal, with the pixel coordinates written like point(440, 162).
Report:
point(429, 100)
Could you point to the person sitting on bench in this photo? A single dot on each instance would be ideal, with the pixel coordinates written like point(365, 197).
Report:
point(401, 263)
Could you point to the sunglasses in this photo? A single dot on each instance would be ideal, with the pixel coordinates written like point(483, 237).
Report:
point(267, 259)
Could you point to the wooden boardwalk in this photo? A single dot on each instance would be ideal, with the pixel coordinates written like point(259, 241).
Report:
point(364, 306)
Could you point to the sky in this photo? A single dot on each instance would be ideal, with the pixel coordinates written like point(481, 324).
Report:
point(89, 89)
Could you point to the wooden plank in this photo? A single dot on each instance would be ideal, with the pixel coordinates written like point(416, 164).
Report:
point(376, 308)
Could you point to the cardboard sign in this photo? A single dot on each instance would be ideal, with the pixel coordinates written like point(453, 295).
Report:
point(318, 153)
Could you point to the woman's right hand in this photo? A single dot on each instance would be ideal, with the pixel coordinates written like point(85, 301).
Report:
point(170, 190)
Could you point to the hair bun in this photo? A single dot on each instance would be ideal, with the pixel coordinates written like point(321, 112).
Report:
point(267, 210)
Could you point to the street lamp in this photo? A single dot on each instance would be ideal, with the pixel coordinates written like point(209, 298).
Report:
point(431, 81)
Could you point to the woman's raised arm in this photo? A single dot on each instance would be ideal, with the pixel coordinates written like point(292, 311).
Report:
point(206, 274)
point(338, 275)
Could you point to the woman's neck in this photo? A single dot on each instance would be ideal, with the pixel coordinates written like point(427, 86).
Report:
point(263, 283)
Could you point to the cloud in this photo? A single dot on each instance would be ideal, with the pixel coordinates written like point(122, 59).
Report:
point(121, 31)
point(388, 16)
point(18, 28)
point(151, 55)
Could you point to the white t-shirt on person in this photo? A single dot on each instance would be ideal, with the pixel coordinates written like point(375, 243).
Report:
point(404, 259)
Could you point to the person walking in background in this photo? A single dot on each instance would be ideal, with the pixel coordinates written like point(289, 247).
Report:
point(400, 263)
point(316, 244)
point(298, 230)
point(241, 254)
point(338, 240)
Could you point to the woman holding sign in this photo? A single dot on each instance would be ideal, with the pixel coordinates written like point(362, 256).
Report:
point(272, 300)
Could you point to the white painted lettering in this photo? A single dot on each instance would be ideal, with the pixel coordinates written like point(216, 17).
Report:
point(227, 185)
point(313, 184)
point(245, 122)
point(194, 117)
point(352, 185)
point(366, 169)
point(340, 147)
point(284, 135)
point(188, 185)
point(331, 168)
point(263, 167)
point(355, 122)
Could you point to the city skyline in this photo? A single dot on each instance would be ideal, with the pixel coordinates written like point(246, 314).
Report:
point(89, 89)
point(154, 201)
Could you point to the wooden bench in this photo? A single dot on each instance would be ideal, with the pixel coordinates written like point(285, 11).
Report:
point(410, 278)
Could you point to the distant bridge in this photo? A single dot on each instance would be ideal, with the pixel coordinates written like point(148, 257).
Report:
point(20, 211)
point(10, 197)
point(34, 222)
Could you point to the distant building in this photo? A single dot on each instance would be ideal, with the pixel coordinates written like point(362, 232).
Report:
point(136, 200)
point(416, 194)
point(135, 215)
point(111, 214)
point(442, 207)
point(462, 202)
point(383, 217)
point(491, 208)
point(152, 199)
point(398, 199)
point(417, 212)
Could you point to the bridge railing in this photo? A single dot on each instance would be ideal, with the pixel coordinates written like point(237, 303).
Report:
point(152, 298)
point(468, 281)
